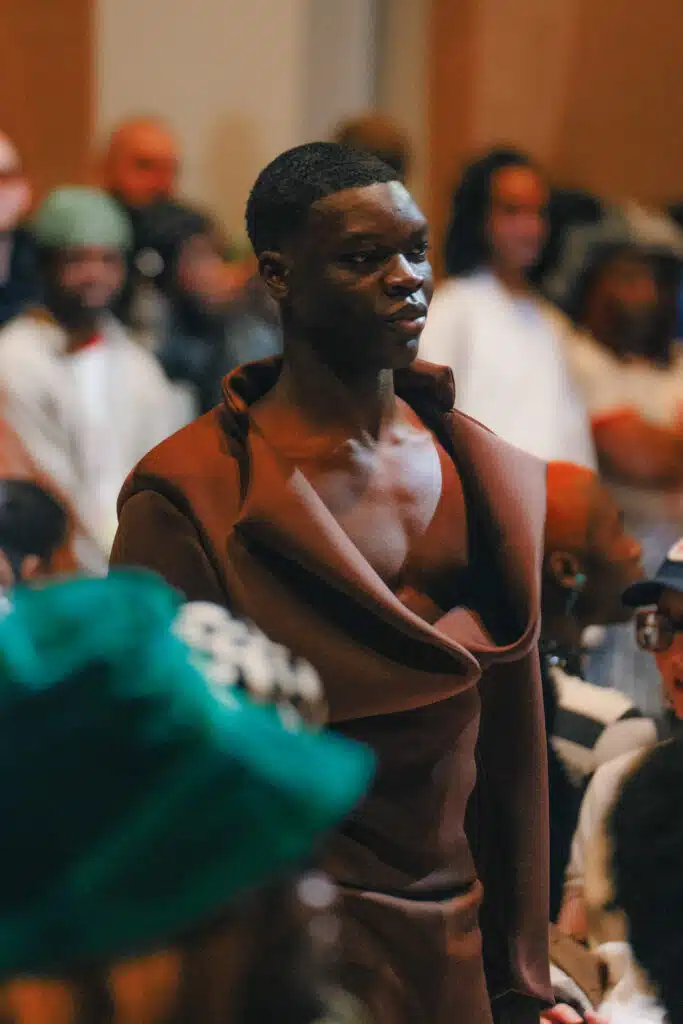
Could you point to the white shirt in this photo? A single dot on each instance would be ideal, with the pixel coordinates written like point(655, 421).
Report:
point(613, 386)
point(509, 361)
point(86, 418)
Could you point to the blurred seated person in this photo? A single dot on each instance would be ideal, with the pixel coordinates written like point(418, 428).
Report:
point(177, 899)
point(376, 134)
point(18, 272)
point(505, 344)
point(33, 527)
point(630, 371)
point(644, 848)
point(141, 168)
point(589, 560)
point(659, 631)
point(204, 335)
point(85, 400)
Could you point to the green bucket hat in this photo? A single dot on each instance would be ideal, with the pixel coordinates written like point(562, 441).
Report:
point(140, 800)
point(79, 216)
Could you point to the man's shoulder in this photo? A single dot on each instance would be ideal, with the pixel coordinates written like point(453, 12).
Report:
point(189, 463)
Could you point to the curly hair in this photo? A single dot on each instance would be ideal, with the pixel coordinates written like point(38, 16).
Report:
point(467, 246)
point(285, 190)
point(646, 832)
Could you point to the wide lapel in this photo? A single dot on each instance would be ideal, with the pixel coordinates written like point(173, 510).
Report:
point(282, 510)
point(505, 491)
point(506, 487)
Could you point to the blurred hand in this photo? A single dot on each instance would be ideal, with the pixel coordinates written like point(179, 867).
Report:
point(204, 273)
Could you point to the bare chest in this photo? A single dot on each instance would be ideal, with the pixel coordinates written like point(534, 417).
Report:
point(403, 507)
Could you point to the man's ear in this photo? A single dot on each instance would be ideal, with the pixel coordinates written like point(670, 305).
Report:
point(565, 570)
point(274, 268)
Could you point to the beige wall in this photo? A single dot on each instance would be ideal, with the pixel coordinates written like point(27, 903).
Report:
point(240, 80)
point(401, 49)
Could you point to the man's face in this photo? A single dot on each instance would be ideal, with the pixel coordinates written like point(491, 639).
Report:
point(670, 662)
point(612, 561)
point(517, 218)
point(143, 165)
point(359, 280)
point(86, 280)
point(624, 301)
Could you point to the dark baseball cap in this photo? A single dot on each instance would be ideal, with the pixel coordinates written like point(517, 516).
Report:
point(668, 576)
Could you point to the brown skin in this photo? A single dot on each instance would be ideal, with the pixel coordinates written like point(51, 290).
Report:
point(621, 309)
point(517, 224)
point(610, 563)
point(142, 162)
point(361, 261)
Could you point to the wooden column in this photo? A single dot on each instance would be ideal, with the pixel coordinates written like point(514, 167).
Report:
point(46, 100)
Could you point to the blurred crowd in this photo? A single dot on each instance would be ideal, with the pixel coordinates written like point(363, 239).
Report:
point(122, 309)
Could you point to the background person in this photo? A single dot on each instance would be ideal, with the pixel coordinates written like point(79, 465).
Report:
point(84, 399)
point(505, 344)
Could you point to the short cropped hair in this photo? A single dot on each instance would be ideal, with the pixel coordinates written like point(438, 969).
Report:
point(646, 833)
point(279, 203)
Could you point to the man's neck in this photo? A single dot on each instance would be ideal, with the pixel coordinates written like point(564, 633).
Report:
point(327, 403)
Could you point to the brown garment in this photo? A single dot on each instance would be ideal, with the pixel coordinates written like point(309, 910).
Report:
point(224, 518)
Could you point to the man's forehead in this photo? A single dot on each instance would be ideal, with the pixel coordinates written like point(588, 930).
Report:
point(369, 208)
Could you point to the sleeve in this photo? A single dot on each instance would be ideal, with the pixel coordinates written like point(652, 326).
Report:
point(149, 527)
point(444, 339)
point(598, 378)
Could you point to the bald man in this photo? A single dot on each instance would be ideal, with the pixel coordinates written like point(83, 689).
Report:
point(140, 170)
point(18, 275)
point(142, 162)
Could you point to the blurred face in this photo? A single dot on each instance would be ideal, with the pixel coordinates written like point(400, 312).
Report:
point(15, 194)
point(517, 218)
point(670, 661)
point(623, 308)
point(612, 564)
point(143, 165)
point(357, 284)
point(85, 282)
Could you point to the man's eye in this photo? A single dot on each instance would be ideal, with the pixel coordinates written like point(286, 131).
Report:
point(359, 259)
point(419, 252)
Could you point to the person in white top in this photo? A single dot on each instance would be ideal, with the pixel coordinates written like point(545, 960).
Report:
point(505, 344)
point(85, 400)
point(630, 371)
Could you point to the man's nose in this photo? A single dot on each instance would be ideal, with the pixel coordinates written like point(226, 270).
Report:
point(402, 276)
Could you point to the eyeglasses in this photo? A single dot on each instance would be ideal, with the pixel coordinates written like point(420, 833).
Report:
point(655, 631)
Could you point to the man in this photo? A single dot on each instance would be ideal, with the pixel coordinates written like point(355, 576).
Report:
point(646, 846)
point(159, 796)
point(335, 499)
point(505, 344)
point(657, 632)
point(140, 170)
point(18, 277)
point(589, 560)
point(84, 399)
point(630, 372)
